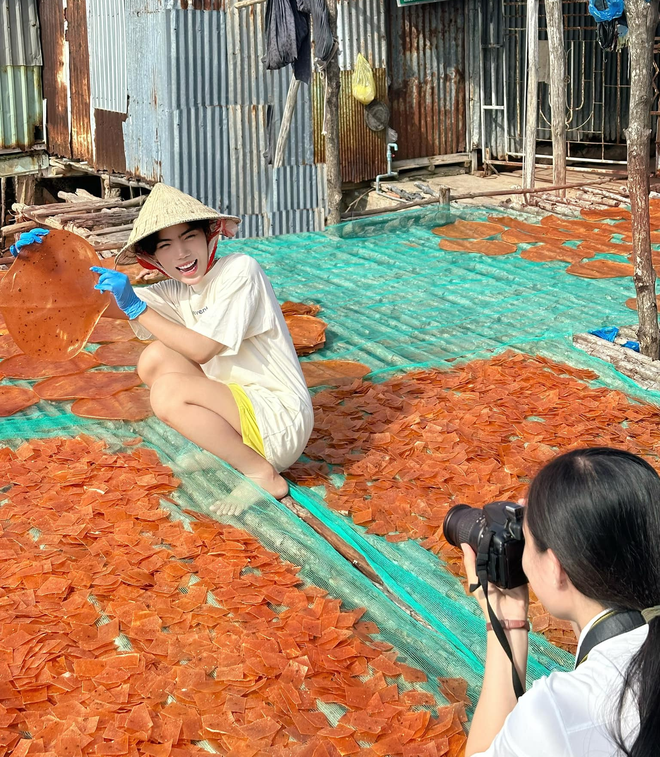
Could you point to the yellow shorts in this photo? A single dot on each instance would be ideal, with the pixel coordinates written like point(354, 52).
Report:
point(249, 426)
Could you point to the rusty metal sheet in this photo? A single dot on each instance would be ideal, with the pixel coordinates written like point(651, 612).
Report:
point(55, 77)
point(427, 93)
point(203, 5)
point(109, 154)
point(81, 127)
point(362, 152)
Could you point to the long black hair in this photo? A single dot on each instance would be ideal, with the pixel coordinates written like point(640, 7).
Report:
point(598, 510)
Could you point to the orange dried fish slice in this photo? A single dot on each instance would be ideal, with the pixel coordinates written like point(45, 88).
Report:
point(483, 246)
point(601, 269)
point(299, 308)
point(87, 385)
point(461, 229)
point(120, 353)
point(130, 405)
point(307, 332)
point(332, 372)
point(13, 399)
point(8, 347)
point(28, 367)
point(112, 330)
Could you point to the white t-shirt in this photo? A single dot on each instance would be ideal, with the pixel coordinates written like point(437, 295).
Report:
point(574, 714)
point(235, 305)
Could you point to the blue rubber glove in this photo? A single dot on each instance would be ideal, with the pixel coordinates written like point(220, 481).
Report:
point(118, 283)
point(27, 238)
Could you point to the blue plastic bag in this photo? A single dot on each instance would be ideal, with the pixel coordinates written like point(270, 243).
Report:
point(606, 10)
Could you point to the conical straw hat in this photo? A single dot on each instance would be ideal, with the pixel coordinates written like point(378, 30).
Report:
point(164, 207)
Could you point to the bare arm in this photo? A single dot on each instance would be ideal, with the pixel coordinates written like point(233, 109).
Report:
point(497, 697)
point(196, 347)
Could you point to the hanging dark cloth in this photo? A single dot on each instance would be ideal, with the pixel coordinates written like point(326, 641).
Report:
point(287, 39)
point(324, 42)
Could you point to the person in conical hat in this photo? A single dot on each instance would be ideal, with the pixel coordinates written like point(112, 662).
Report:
point(222, 368)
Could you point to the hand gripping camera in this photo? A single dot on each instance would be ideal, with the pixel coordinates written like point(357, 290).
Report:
point(495, 534)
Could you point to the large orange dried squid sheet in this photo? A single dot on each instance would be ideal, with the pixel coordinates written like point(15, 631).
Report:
point(13, 399)
point(413, 446)
point(546, 252)
point(120, 353)
point(600, 269)
point(129, 405)
point(484, 246)
point(238, 673)
point(26, 367)
point(48, 297)
point(461, 229)
point(632, 302)
point(86, 385)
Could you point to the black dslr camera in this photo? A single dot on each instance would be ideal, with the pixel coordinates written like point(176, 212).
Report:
point(495, 534)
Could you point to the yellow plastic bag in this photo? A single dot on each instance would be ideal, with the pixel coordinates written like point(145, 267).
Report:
point(364, 86)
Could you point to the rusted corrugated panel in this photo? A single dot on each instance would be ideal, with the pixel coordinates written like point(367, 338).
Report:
point(362, 152)
point(109, 154)
point(55, 77)
point(427, 68)
point(81, 126)
point(362, 28)
point(19, 24)
point(106, 23)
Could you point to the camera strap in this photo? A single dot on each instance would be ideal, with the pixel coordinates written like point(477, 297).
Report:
point(606, 627)
point(482, 577)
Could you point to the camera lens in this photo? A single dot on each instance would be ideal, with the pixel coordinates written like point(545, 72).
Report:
point(463, 525)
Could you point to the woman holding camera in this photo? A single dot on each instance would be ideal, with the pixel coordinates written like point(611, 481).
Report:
point(592, 556)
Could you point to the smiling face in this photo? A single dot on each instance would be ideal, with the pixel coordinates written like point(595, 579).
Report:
point(182, 252)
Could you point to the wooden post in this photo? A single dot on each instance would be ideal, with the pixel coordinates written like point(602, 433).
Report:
point(642, 21)
point(285, 126)
point(332, 164)
point(532, 94)
point(555, 23)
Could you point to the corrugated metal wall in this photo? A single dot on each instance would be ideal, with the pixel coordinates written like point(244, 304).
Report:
point(21, 111)
point(427, 69)
point(214, 111)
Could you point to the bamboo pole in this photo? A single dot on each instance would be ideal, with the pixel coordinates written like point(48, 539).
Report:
point(532, 94)
point(555, 23)
point(287, 117)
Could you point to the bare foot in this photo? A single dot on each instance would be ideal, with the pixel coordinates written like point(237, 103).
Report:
point(241, 497)
point(244, 495)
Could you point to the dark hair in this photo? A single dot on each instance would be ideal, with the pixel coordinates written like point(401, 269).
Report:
point(147, 246)
point(598, 510)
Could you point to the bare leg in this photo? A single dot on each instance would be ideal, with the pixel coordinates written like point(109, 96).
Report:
point(205, 412)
